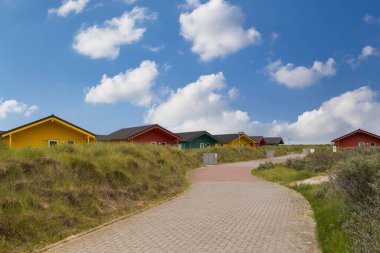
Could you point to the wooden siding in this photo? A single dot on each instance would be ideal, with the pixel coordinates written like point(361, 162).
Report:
point(39, 135)
point(354, 140)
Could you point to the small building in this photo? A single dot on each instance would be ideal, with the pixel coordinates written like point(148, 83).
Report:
point(236, 140)
point(273, 141)
point(49, 131)
point(199, 139)
point(358, 138)
point(259, 140)
point(154, 134)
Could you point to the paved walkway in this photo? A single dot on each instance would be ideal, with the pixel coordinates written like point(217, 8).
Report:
point(226, 210)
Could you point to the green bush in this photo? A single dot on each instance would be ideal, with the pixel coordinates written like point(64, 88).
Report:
point(358, 181)
point(265, 166)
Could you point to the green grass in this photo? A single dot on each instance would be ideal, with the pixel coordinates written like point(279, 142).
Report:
point(283, 175)
point(329, 209)
point(228, 154)
point(49, 194)
point(330, 215)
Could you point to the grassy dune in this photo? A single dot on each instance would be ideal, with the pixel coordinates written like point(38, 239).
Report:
point(49, 194)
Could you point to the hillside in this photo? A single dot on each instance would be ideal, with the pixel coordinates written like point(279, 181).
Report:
point(51, 193)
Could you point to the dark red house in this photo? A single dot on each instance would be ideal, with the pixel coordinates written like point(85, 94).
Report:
point(154, 134)
point(358, 138)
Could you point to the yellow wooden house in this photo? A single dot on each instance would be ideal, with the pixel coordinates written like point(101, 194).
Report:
point(236, 140)
point(49, 131)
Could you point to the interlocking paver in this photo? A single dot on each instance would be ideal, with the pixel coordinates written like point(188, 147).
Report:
point(226, 210)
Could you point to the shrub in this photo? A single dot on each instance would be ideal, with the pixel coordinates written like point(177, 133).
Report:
point(358, 180)
point(265, 166)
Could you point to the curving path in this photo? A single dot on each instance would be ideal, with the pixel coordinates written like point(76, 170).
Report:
point(226, 210)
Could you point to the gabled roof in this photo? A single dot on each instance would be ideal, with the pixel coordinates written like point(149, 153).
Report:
point(46, 119)
point(131, 132)
point(188, 136)
point(355, 132)
point(226, 138)
point(258, 139)
point(273, 140)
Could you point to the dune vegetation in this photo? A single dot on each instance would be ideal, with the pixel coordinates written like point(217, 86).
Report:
point(347, 208)
point(48, 194)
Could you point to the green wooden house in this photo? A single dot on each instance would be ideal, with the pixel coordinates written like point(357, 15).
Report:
point(200, 139)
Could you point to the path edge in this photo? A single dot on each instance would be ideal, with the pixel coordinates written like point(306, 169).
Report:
point(312, 214)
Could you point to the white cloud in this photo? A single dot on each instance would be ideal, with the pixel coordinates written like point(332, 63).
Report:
point(154, 49)
point(199, 105)
point(298, 77)
point(335, 117)
point(215, 29)
point(366, 52)
point(69, 6)
point(105, 41)
point(130, 1)
point(274, 36)
point(14, 107)
point(202, 105)
point(371, 20)
point(233, 93)
point(133, 86)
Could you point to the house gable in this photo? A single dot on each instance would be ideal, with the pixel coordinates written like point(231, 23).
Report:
point(353, 139)
point(40, 132)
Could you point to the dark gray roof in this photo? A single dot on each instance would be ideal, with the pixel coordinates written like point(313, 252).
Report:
point(186, 136)
point(125, 133)
point(101, 137)
point(257, 139)
point(189, 135)
point(226, 138)
point(273, 140)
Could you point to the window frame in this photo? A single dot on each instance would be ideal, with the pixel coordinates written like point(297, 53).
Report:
point(54, 141)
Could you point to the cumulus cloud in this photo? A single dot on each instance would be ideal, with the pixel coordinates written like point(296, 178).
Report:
point(205, 105)
point(14, 107)
point(202, 104)
point(335, 117)
point(133, 86)
point(301, 76)
point(69, 6)
point(105, 41)
point(215, 29)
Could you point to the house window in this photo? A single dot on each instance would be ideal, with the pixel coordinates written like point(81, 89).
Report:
point(164, 143)
point(361, 144)
point(71, 142)
point(202, 145)
point(153, 142)
point(373, 144)
point(52, 143)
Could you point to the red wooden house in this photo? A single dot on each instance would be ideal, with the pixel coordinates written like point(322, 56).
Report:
point(154, 134)
point(358, 138)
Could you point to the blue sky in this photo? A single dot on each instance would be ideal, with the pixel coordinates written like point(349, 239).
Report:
point(223, 66)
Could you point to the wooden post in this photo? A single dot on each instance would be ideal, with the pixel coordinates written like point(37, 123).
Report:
point(10, 141)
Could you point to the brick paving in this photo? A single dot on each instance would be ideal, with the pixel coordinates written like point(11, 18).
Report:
point(226, 210)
